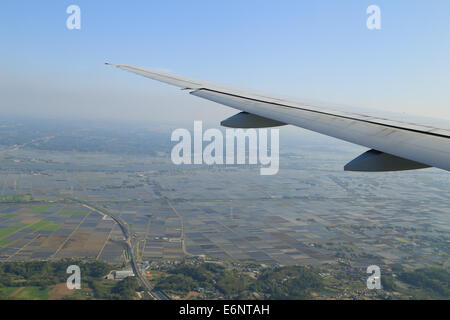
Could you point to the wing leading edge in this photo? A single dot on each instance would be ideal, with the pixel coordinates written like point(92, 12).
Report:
point(419, 145)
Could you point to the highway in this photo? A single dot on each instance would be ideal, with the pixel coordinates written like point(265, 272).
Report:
point(131, 248)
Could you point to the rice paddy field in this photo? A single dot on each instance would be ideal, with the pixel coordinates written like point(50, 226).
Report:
point(35, 231)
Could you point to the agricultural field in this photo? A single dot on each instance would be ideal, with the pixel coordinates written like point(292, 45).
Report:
point(52, 231)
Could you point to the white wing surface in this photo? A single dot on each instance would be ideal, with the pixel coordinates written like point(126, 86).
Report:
point(395, 144)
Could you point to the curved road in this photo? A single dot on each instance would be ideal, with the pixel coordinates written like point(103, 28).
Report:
point(131, 248)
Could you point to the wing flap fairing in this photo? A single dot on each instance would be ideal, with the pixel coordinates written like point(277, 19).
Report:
point(376, 161)
point(245, 120)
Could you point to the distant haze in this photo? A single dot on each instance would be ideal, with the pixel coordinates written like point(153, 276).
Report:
point(300, 49)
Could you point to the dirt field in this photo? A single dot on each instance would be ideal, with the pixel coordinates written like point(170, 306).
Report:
point(191, 294)
point(59, 292)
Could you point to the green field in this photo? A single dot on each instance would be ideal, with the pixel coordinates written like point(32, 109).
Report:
point(72, 213)
point(5, 292)
point(4, 232)
point(8, 216)
point(32, 293)
point(41, 226)
point(15, 198)
point(41, 209)
point(28, 293)
point(45, 226)
point(4, 243)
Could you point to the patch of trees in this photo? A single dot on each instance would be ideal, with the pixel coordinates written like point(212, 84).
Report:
point(434, 281)
point(279, 283)
point(177, 283)
point(123, 290)
point(231, 284)
point(293, 282)
point(184, 278)
point(44, 273)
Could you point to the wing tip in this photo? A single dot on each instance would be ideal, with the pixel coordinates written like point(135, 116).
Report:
point(111, 64)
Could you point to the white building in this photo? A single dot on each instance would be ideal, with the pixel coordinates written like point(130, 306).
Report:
point(119, 275)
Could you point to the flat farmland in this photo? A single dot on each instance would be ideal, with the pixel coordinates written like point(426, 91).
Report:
point(35, 231)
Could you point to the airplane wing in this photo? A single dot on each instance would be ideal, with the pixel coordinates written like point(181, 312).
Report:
point(394, 144)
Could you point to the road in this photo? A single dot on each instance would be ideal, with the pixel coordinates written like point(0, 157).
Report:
point(183, 242)
point(131, 248)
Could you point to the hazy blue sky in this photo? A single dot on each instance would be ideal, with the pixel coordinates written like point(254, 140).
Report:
point(300, 49)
